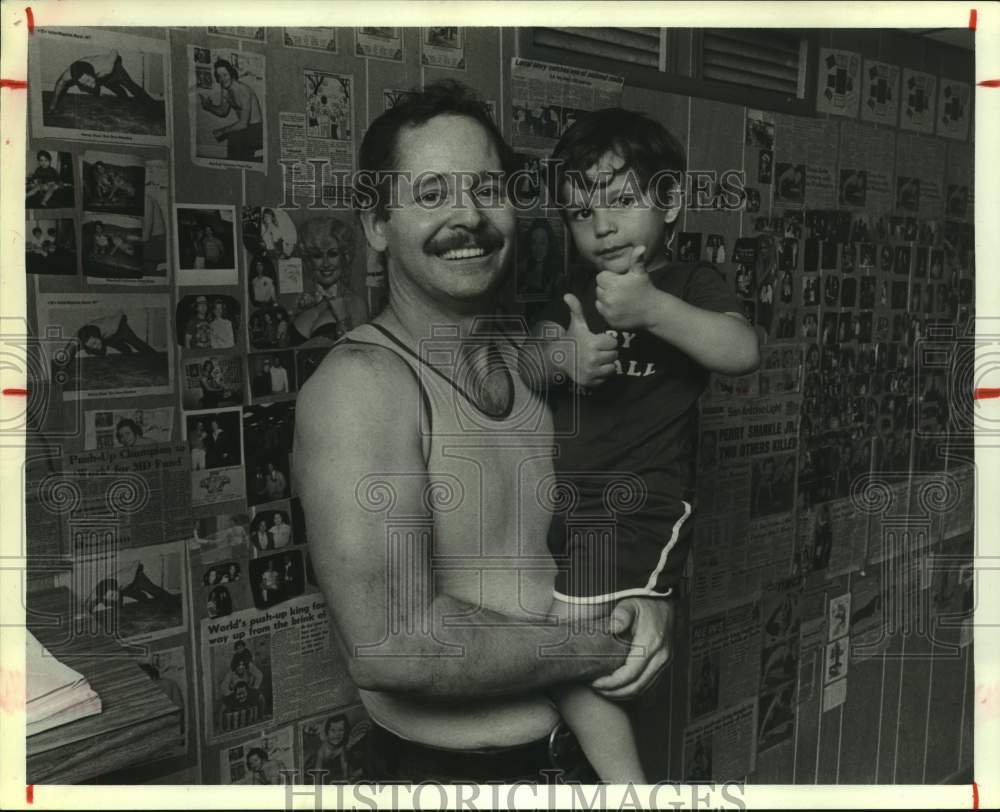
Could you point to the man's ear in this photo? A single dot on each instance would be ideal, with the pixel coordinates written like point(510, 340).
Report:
point(374, 227)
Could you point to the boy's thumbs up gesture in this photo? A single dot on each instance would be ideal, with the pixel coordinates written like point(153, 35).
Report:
point(624, 297)
point(596, 353)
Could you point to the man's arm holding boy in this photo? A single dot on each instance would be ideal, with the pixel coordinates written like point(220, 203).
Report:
point(395, 625)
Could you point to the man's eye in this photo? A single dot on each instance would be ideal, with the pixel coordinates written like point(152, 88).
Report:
point(430, 197)
point(488, 193)
point(624, 202)
point(580, 214)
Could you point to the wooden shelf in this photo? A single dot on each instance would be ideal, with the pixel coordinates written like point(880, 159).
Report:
point(137, 723)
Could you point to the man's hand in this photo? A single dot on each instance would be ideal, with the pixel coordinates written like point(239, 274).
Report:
point(624, 297)
point(596, 353)
point(651, 624)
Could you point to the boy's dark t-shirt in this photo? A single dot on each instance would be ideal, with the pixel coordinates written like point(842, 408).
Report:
point(643, 420)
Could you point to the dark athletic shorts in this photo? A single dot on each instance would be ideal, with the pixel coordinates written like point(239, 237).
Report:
point(604, 560)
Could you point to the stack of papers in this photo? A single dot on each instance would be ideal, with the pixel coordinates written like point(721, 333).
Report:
point(56, 693)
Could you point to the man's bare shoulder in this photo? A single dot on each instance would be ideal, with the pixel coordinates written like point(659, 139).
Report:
point(357, 383)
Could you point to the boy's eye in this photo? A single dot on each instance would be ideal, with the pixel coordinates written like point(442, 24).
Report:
point(580, 214)
point(625, 202)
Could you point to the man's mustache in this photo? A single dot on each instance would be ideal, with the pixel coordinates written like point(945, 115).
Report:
point(485, 236)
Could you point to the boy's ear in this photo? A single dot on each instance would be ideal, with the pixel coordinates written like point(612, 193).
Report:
point(374, 227)
point(673, 210)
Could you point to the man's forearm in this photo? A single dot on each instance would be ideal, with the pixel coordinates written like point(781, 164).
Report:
point(492, 655)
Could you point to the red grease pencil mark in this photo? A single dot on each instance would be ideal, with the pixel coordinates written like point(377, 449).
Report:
point(975, 795)
point(972, 19)
point(14, 84)
point(31, 20)
point(29, 793)
point(15, 392)
point(989, 83)
point(985, 392)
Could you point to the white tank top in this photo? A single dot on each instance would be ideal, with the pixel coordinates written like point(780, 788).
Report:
point(489, 520)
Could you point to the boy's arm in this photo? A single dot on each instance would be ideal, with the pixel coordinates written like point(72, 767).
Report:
point(720, 341)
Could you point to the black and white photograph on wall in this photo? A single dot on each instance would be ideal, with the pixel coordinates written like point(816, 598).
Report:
point(266, 760)
point(214, 439)
point(207, 322)
point(539, 253)
point(853, 187)
point(268, 229)
point(772, 485)
point(269, 328)
point(907, 194)
point(276, 578)
point(50, 246)
point(765, 167)
point(205, 244)
point(789, 183)
point(318, 38)
point(49, 181)
point(227, 108)
point(391, 97)
point(262, 282)
point(125, 428)
point(705, 684)
point(112, 246)
point(272, 374)
point(752, 201)
point(689, 246)
point(241, 692)
point(777, 717)
point(211, 382)
point(137, 594)
point(115, 344)
point(268, 430)
point(91, 85)
point(271, 529)
point(715, 249)
point(380, 42)
point(220, 537)
point(760, 128)
point(330, 302)
point(333, 746)
point(328, 103)
point(224, 573)
point(443, 46)
point(113, 183)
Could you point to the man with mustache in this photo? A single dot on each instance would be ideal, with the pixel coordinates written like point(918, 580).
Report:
point(421, 478)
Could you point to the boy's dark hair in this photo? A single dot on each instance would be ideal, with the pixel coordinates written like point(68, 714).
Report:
point(43, 153)
point(645, 146)
point(379, 153)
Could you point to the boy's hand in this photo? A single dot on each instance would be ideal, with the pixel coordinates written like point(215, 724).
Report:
point(596, 353)
point(624, 297)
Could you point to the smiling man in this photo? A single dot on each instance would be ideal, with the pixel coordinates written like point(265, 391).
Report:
point(420, 477)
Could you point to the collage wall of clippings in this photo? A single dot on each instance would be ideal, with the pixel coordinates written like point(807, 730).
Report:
point(189, 269)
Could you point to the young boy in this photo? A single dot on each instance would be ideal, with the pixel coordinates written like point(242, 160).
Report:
point(647, 333)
